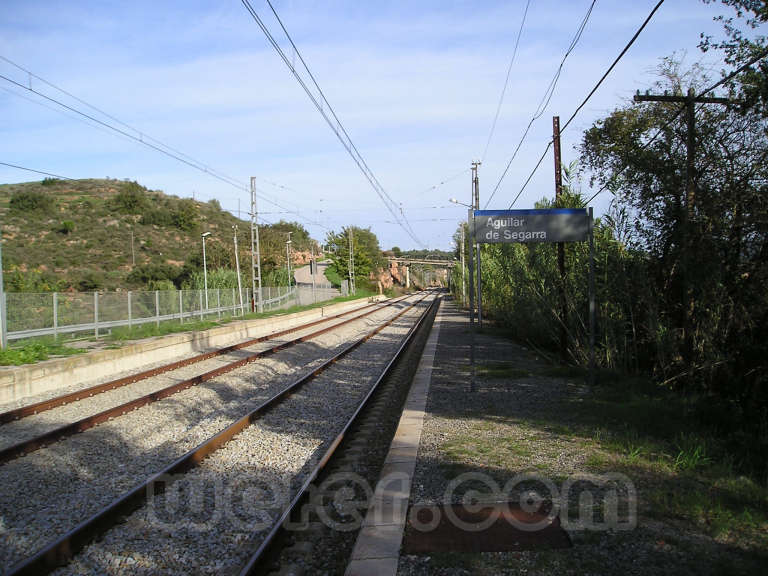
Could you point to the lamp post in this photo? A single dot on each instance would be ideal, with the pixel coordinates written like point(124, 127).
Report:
point(288, 258)
point(471, 253)
point(205, 269)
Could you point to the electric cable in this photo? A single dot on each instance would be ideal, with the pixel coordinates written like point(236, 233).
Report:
point(548, 94)
point(506, 81)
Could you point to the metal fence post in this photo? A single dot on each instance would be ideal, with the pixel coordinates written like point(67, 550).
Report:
point(218, 302)
point(96, 313)
point(234, 306)
point(181, 306)
point(130, 312)
point(3, 325)
point(157, 308)
point(200, 293)
point(55, 315)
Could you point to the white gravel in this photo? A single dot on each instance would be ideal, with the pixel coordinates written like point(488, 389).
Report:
point(77, 386)
point(35, 425)
point(246, 483)
point(49, 491)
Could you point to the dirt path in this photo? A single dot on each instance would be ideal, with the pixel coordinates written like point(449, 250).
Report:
point(522, 415)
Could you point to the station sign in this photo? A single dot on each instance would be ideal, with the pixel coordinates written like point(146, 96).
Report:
point(537, 225)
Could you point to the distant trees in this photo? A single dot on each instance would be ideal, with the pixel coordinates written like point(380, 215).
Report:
point(366, 249)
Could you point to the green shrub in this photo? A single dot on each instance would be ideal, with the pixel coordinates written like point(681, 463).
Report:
point(67, 227)
point(31, 201)
point(157, 217)
point(50, 181)
point(186, 215)
point(131, 199)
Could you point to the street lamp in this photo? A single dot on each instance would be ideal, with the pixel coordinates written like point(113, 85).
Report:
point(205, 269)
point(470, 216)
point(288, 258)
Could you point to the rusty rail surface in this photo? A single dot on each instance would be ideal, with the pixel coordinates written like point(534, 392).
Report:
point(44, 405)
point(37, 442)
point(62, 550)
point(253, 562)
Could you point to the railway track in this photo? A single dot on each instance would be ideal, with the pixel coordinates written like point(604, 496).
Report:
point(26, 437)
point(63, 399)
point(277, 393)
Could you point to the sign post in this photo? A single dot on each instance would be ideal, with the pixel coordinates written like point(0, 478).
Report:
point(542, 225)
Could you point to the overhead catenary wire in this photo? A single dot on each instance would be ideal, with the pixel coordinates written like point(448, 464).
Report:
point(35, 171)
point(546, 98)
point(506, 81)
point(759, 56)
point(141, 137)
point(337, 127)
point(591, 93)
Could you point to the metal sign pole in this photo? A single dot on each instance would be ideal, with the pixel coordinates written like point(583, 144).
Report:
point(591, 299)
point(471, 221)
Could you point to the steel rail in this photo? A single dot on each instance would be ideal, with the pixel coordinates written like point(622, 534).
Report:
point(61, 551)
point(42, 406)
point(257, 556)
point(37, 442)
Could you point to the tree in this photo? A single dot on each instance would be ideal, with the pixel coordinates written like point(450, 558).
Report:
point(718, 247)
point(366, 251)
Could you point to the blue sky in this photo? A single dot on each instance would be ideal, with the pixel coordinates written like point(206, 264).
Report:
point(415, 83)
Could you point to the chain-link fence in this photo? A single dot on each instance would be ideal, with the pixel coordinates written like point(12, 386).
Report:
point(31, 315)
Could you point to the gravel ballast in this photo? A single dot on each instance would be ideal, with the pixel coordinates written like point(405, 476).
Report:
point(247, 482)
point(49, 491)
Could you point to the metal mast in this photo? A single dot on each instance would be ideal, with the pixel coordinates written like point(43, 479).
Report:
point(255, 253)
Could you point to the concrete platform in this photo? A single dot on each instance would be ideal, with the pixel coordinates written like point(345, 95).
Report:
point(17, 382)
point(377, 549)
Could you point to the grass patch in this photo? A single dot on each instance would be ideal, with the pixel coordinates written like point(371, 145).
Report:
point(31, 351)
point(150, 330)
point(502, 370)
point(685, 469)
point(485, 448)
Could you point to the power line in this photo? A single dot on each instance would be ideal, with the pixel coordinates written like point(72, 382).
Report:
point(337, 126)
point(762, 54)
point(506, 81)
point(591, 93)
point(613, 65)
point(548, 93)
point(35, 171)
point(141, 138)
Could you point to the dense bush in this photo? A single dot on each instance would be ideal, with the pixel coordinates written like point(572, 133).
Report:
point(131, 199)
point(31, 201)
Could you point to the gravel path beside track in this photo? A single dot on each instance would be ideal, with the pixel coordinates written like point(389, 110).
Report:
point(47, 492)
point(526, 415)
point(247, 482)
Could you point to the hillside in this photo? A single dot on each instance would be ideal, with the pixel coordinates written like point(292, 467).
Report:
point(60, 235)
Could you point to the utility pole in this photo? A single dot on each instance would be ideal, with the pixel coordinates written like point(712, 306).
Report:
point(313, 270)
point(3, 314)
point(205, 269)
point(688, 216)
point(560, 245)
point(351, 266)
point(237, 267)
point(255, 253)
point(288, 258)
point(463, 282)
point(476, 202)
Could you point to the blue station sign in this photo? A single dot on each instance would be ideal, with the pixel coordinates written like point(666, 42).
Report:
point(537, 225)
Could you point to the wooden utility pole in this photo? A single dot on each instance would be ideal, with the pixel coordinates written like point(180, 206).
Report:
point(560, 245)
point(689, 214)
